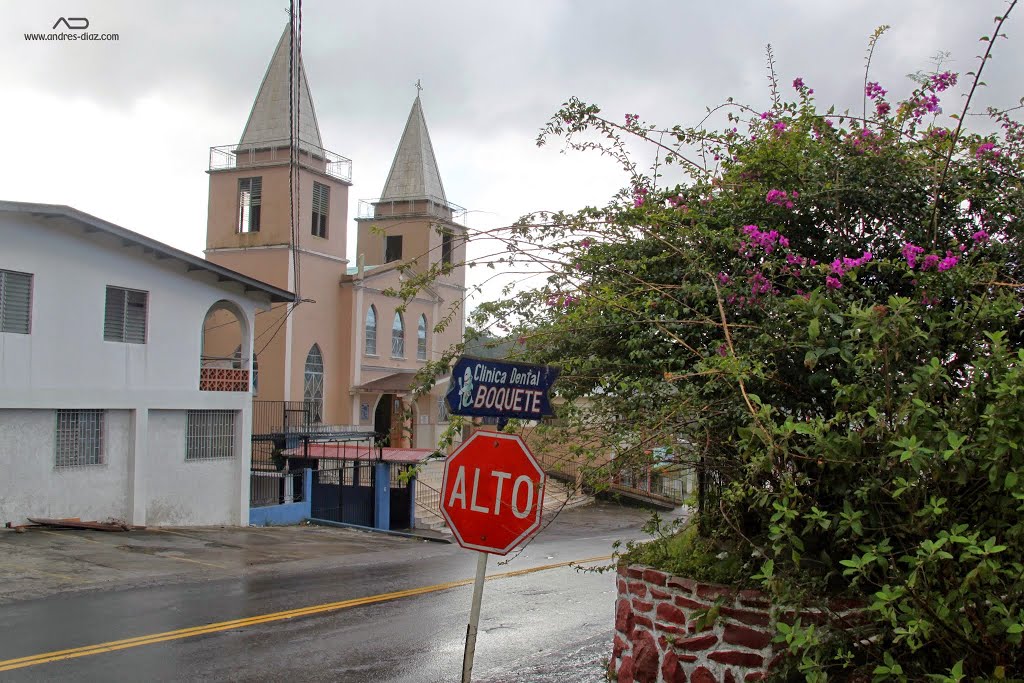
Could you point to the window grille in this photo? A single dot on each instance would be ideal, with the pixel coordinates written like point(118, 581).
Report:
point(79, 439)
point(393, 248)
point(250, 202)
point(446, 248)
point(125, 316)
point(313, 389)
point(421, 339)
point(442, 409)
point(371, 331)
point(210, 434)
point(321, 201)
point(15, 302)
point(398, 337)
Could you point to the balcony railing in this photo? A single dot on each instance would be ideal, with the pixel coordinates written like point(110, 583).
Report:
point(223, 379)
point(273, 152)
point(421, 205)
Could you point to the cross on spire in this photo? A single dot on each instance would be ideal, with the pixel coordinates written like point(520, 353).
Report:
point(419, 87)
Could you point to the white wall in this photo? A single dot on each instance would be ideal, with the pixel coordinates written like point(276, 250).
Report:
point(31, 485)
point(188, 493)
point(65, 363)
point(65, 357)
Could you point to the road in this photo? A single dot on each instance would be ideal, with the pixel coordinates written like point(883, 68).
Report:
point(545, 622)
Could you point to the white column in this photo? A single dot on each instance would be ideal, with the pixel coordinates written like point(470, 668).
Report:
point(243, 456)
point(138, 466)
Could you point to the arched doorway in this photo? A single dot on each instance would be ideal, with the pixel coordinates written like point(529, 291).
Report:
point(224, 363)
point(383, 418)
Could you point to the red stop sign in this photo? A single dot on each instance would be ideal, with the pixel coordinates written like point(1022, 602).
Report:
point(492, 492)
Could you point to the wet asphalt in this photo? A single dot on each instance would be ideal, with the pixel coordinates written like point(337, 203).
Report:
point(549, 625)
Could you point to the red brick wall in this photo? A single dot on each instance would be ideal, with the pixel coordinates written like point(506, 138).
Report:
point(657, 641)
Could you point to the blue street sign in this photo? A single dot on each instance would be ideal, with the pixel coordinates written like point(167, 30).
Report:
point(488, 388)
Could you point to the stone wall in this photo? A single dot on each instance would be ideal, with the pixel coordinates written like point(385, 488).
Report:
point(657, 639)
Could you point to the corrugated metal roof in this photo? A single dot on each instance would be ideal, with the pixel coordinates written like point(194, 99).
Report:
point(159, 250)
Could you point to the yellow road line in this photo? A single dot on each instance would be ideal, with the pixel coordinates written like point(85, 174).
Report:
point(114, 645)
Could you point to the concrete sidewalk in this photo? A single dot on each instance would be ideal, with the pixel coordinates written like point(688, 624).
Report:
point(41, 562)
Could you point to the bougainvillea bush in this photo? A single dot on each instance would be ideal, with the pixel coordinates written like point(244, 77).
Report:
point(826, 317)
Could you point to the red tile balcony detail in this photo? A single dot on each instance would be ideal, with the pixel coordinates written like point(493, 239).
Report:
point(223, 379)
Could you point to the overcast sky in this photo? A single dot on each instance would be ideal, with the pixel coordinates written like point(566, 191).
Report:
point(122, 129)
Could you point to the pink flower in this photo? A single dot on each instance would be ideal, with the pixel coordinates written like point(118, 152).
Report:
point(585, 243)
point(980, 236)
point(833, 283)
point(723, 278)
point(779, 126)
point(930, 261)
point(882, 108)
point(780, 198)
point(874, 91)
point(911, 252)
point(986, 147)
point(948, 262)
point(940, 82)
point(798, 83)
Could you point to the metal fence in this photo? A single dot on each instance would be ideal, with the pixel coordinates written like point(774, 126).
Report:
point(271, 422)
point(274, 488)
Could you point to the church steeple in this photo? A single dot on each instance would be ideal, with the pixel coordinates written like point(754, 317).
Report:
point(268, 120)
point(414, 171)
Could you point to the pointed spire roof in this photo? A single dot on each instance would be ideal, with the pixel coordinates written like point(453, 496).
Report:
point(268, 120)
point(414, 171)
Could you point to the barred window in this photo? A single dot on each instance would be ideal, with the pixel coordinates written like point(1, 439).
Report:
point(79, 438)
point(371, 331)
point(125, 316)
point(321, 200)
point(15, 302)
point(421, 338)
point(250, 200)
point(210, 434)
point(442, 409)
point(398, 337)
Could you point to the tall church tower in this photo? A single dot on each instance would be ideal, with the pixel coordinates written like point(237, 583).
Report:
point(414, 225)
point(418, 223)
point(278, 205)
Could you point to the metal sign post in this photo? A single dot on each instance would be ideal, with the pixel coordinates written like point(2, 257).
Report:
point(474, 618)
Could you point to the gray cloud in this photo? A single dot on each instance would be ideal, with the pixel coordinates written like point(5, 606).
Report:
point(493, 74)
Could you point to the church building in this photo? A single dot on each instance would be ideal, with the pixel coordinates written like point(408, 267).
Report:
point(278, 212)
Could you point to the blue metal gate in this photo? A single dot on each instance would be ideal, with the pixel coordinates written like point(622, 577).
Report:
point(344, 492)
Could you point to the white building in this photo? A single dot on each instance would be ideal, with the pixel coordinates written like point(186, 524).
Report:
point(108, 408)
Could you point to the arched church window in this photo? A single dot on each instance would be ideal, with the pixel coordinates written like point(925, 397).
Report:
point(421, 339)
point(371, 331)
point(313, 390)
point(398, 337)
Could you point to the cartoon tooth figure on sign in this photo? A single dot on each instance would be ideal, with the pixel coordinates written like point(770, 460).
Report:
point(466, 388)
